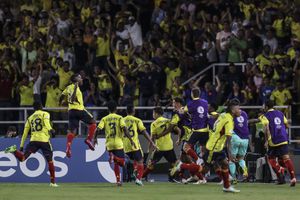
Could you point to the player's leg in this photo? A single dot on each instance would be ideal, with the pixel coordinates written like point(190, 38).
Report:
point(220, 157)
point(139, 166)
point(273, 153)
point(47, 150)
point(157, 155)
point(73, 126)
point(88, 119)
point(30, 148)
point(242, 151)
point(235, 145)
point(189, 146)
point(119, 161)
point(288, 163)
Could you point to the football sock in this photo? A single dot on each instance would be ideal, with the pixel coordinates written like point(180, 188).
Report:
point(290, 166)
point(92, 129)
point(242, 163)
point(70, 137)
point(219, 173)
point(120, 161)
point(117, 172)
point(19, 155)
point(281, 162)
point(52, 171)
point(191, 167)
point(140, 170)
point(199, 175)
point(276, 167)
point(232, 168)
point(225, 175)
point(147, 171)
point(192, 153)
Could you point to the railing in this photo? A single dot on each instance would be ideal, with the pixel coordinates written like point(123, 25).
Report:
point(213, 68)
point(26, 113)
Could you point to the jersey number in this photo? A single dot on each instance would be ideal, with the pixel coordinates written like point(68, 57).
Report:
point(36, 125)
point(131, 131)
point(113, 130)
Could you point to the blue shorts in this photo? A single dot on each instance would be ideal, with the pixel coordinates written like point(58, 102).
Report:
point(135, 155)
point(278, 151)
point(119, 153)
point(239, 146)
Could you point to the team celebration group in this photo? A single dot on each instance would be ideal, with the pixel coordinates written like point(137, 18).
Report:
point(223, 137)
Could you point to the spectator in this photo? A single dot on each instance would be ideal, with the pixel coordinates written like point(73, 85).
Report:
point(237, 45)
point(222, 40)
point(281, 95)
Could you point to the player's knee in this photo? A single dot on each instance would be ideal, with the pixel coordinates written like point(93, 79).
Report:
point(48, 157)
point(151, 165)
point(224, 164)
point(186, 147)
point(285, 157)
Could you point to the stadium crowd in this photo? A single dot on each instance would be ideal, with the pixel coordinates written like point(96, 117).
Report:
point(141, 51)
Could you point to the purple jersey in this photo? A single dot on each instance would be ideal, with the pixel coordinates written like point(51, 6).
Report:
point(198, 110)
point(277, 126)
point(241, 126)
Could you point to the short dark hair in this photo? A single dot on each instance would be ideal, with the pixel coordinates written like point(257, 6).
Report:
point(112, 106)
point(73, 78)
point(130, 109)
point(158, 110)
point(196, 92)
point(179, 100)
point(231, 103)
point(269, 103)
point(37, 105)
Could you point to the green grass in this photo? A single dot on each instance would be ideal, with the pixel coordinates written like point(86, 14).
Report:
point(156, 191)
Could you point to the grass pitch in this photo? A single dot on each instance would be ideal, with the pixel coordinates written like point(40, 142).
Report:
point(153, 191)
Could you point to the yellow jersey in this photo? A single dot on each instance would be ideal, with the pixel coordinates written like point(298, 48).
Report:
point(262, 61)
point(112, 125)
point(53, 95)
point(134, 126)
point(64, 77)
point(78, 101)
point(280, 98)
point(103, 46)
point(164, 143)
point(26, 94)
point(39, 125)
point(223, 127)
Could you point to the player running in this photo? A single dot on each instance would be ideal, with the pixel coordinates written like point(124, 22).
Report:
point(275, 124)
point(114, 127)
point(239, 144)
point(163, 142)
point(198, 109)
point(77, 113)
point(39, 125)
point(135, 126)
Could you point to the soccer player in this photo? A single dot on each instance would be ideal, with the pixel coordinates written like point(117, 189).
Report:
point(239, 144)
point(163, 142)
point(275, 124)
point(198, 109)
point(114, 127)
point(135, 126)
point(39, 125)
point(76, 113)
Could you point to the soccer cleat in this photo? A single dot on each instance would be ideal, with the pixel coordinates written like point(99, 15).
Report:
point(201, 182)
point(53, 185)
point(293, 182)
point(176, 168)
point(90, 144)
point(139, 182)
point(68, 152)
point(231, 189)
point(11, 149)
point(119, 184)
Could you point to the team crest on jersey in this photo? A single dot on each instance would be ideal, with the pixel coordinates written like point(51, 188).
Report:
point(277, 122)
point(200, 110)
point(241, 120)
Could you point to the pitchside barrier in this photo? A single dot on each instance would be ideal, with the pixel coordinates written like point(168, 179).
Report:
point(84, 166)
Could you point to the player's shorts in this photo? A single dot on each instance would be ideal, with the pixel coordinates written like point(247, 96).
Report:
point(135, 155)
point(200, 137)
point(210, 157)
point(46, 148)
point(79, 115)
point(238, 146)
point(119, 153)
point(170, 156)
point(278, 151)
